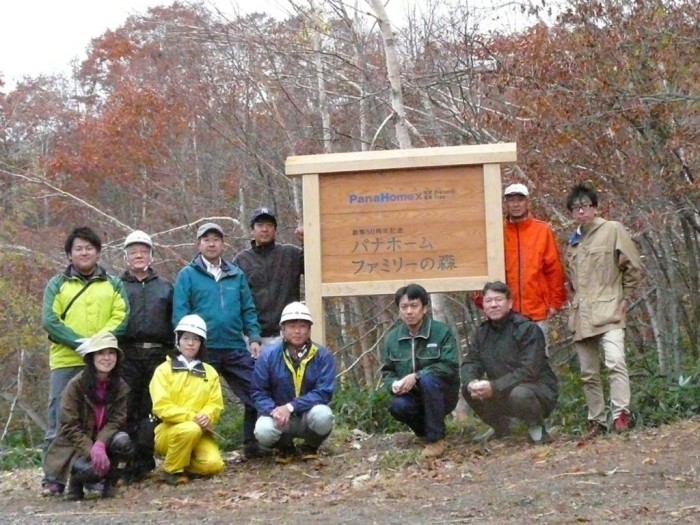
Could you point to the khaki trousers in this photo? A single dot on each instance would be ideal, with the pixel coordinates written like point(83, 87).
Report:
point(588, 350)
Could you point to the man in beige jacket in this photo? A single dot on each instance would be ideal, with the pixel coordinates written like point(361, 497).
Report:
point(604, 269)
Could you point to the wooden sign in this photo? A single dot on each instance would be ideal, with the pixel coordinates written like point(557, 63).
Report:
point(375, 221)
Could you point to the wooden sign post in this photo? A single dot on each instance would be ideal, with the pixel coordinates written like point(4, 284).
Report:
point(375, 221)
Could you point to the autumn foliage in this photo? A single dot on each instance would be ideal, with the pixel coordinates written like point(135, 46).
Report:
point(182, 114)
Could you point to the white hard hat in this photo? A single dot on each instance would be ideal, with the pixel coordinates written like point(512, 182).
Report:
point(138, 237)
point(193, 324)
point(296, 312)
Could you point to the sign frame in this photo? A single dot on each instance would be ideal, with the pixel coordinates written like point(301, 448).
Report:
point(310, 168)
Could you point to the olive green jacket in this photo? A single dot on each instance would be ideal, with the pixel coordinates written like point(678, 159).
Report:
point(433, 351)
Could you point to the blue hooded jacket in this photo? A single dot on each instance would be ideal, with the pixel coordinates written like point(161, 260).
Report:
point(226, 305)
point(273, 382)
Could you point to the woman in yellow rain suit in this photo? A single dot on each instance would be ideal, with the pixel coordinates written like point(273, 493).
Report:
point(187, 397)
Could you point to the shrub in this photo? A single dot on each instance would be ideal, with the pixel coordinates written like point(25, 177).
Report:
point(364, 409)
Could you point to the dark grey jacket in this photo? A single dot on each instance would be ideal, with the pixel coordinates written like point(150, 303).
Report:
point(151, 310)
point(274, 274)
point(510, 352)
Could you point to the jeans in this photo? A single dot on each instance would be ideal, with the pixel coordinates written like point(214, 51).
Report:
point(425, 407)
point(58, 380)
point(613, 344)
point(313, 426)
point(236, 367)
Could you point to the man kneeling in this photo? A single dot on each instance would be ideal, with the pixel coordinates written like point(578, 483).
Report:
point(293, 385)
point(509, 349)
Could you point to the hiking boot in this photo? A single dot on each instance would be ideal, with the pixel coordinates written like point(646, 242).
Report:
point(285, 455)
point(174, 478)
point(537, 435)
point(51, 489)
point(309, 453)
point(595, 429)
point(434, 449)
point(75, 490)
point(623, 422)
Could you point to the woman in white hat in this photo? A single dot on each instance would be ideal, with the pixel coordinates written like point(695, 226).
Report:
point(89, 443)
point(187, 397)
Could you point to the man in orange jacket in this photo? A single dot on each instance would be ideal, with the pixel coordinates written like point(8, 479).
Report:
point(534, 270)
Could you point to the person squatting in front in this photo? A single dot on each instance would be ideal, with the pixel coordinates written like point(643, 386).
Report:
point(89, 444)
point(187, 397)
point(506, 373)
point(421, 369)
point(218, 291)
point(293, 385)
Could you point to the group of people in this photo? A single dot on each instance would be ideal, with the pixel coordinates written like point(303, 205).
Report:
point(505, 376)
point(122, 388)
point(125, 386)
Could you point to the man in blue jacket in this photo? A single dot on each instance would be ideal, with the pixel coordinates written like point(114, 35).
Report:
point(293, 386)
point(218, 292)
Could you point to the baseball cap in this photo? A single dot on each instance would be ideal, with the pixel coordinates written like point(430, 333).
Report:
point(263, 212)
point(516, 189)
point(209, 227)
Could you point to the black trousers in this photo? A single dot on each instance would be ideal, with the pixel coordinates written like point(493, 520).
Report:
point(530, 402)
point(137, 370)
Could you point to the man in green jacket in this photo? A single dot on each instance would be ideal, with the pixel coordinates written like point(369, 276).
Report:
point(78, 303)
point(604, 269)
point(421, 369)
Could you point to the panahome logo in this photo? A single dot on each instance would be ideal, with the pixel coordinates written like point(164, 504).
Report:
point(386, 196)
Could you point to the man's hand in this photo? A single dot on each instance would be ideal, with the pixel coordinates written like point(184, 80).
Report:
point(255, 350)
point(480, 389)
point(405, 385)
point(299, 233)
point(624, 306)
point(281, 415)
point(552, 312)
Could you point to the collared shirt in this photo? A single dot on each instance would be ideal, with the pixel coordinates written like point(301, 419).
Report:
point(189, 364)
point(214, 269)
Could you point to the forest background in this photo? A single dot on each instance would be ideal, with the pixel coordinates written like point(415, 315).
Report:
point(183, 115)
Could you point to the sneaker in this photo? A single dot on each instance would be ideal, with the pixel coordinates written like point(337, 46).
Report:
point(499, 432)
point(51, 489)
point(309, 453)
point(595, 429)
point(94, 489)
point(254, 450)
point(434, 449)
point(285, 455)
point(537, 435)
point(622, 423)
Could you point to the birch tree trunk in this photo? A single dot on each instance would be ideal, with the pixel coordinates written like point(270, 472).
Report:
point(393, 69)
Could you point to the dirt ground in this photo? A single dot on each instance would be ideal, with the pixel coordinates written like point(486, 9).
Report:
point(648, 476)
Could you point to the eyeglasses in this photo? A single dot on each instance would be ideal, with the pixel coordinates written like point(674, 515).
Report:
point(581, 206)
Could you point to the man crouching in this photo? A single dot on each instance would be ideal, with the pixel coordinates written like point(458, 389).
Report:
point(293, 385)
point(509, 350)
point(421, 369)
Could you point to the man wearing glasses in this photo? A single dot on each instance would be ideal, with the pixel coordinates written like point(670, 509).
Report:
point(604, 269)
